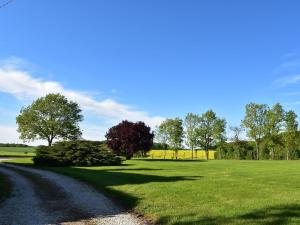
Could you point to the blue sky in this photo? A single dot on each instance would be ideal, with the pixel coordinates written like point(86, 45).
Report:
point(148, 60)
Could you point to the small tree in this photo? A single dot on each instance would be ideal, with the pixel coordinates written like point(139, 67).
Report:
point(161, 135)
point(191, 123)
point(254, 122)
point(237, 142)
point(127, 138)
point(211, 130)
point(273, 126)
point(48, 118)
point(290, 135)
point(173, 131)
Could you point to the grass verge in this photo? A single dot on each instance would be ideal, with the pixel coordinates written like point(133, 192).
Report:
point(17, 152)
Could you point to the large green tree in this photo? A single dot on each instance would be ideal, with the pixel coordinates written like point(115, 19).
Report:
point(211, 129)
point(191, 123)
point(48, 118)
point(273, 126)
point(254, 122)
point(290, 134)
point(172, 129)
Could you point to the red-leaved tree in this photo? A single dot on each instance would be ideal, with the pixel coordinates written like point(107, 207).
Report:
point(127, 138)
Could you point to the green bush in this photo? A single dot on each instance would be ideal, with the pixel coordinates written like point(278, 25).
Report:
point(76, 153)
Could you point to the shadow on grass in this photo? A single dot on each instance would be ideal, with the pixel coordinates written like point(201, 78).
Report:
point(107, 178)
point(133, 169)
point(276, 215)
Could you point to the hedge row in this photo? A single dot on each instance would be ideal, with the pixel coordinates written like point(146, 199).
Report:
point(76, 153)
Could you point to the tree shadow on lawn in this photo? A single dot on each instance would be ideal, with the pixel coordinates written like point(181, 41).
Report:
point(275, 215)
point(106, 179)
point(133, 169)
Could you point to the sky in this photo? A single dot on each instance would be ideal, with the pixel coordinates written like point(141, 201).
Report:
point(148, 60)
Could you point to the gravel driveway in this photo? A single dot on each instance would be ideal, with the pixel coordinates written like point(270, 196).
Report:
point(43, 197)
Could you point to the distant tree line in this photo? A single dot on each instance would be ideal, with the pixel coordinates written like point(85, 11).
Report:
point(272, 134)
point(13, 145)
point(198, 131)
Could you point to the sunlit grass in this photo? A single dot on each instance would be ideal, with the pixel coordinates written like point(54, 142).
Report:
point(213, 192)
point(17, 151)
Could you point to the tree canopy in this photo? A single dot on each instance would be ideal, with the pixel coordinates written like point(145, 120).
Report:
point(211, 130)
point(48, 118)
point(254, 122)
point(171, 131)
point(127, 138)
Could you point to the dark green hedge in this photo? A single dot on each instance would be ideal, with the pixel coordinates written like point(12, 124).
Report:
point(76, 153)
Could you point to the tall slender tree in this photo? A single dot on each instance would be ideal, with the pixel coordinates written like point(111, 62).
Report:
point(236, 138)
point(273, 126)
point(254, 122)
point(210, 130)
point(173, 130)
point(290, 134)
point(161, 136)
point(191, 123)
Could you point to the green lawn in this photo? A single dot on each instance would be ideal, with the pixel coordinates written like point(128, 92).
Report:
point(17, 151)
point(214, 192)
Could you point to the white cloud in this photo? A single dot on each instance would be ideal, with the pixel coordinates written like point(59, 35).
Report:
point(21, 84)
point(9, 134)
point(287, 80)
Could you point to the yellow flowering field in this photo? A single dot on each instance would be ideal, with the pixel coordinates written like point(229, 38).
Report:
point(182, 154)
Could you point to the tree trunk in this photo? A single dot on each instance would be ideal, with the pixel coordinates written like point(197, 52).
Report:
point(207, 153)
point(192, 153)
point(257, 150)
point(287, 154)
point(50, 140)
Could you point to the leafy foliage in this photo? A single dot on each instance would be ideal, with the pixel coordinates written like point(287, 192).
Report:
point(76, 153)
point(48, 118)
point(211, 130)
point(127, 138)
point(171, 132)
point(160, 146)
point(255, 121)
point(191, 123)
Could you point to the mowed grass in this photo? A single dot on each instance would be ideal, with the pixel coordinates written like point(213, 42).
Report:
point(214, 192)
point(17, 151)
